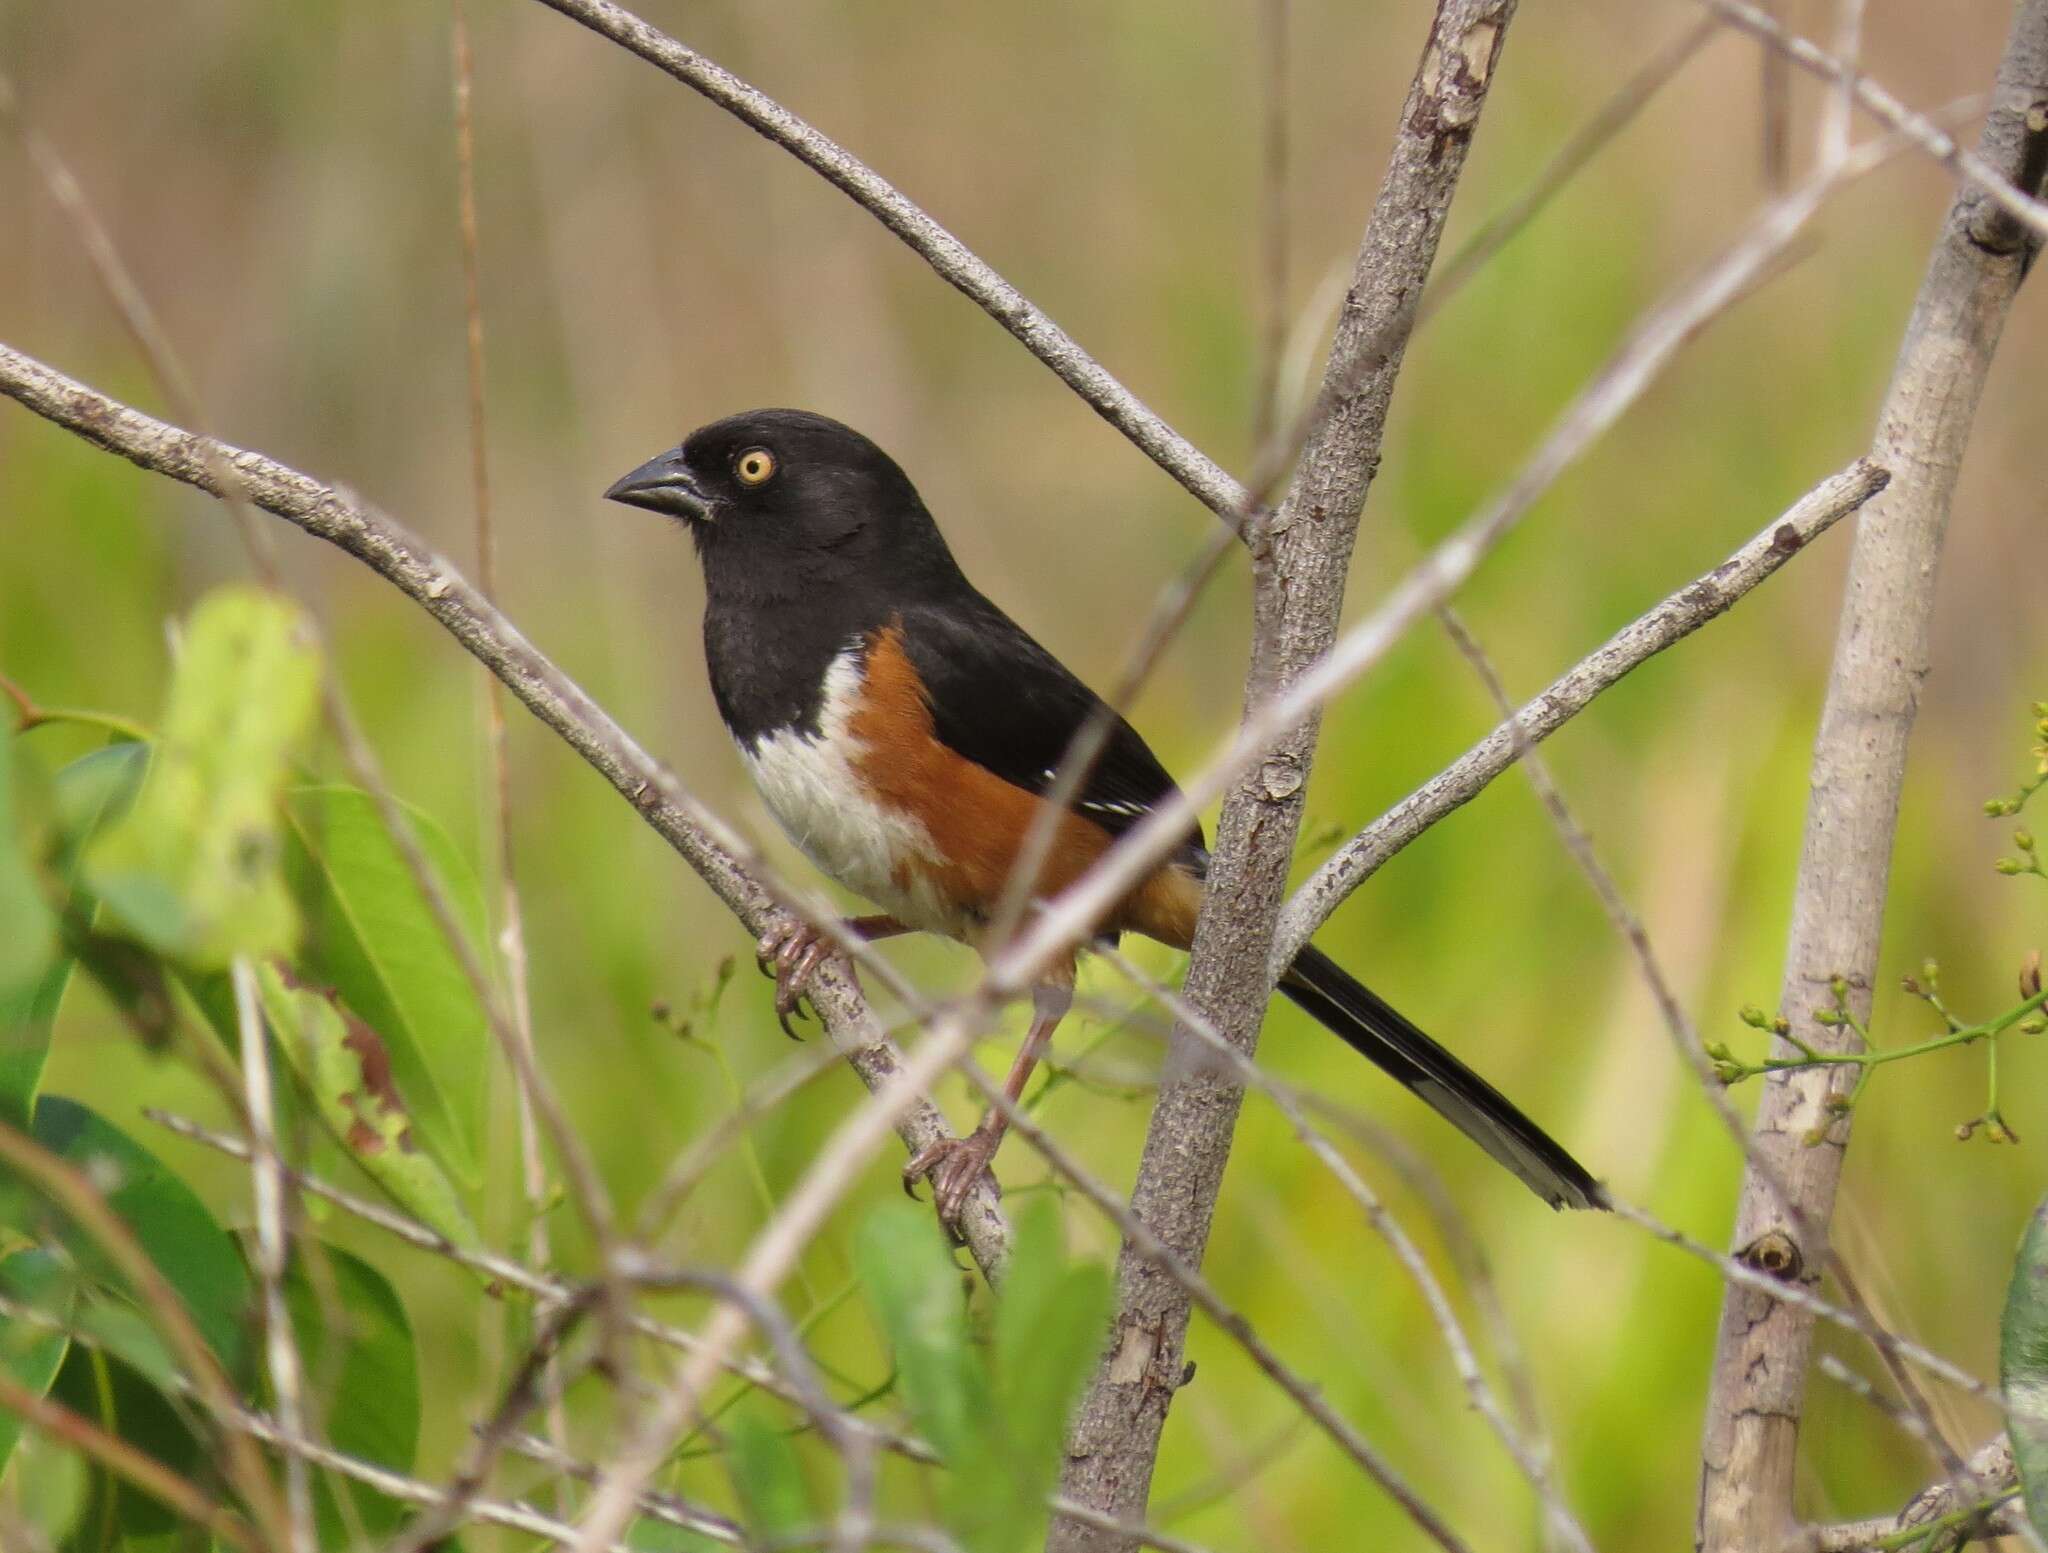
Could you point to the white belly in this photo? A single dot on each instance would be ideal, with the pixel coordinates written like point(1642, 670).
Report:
point(809, 783)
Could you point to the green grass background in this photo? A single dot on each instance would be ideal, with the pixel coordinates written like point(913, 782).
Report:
point(282, 180)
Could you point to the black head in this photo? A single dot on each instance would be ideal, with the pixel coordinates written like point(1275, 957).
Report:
point(786, 488)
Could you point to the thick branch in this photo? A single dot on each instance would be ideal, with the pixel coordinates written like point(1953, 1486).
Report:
point(957, 264)
point(718, 855)
point(1881, 657)
point(1300, 560)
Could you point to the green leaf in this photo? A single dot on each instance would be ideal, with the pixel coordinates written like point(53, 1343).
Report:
point(374, 939)
point(106, 1320)
point(49, 1490)
point(1048, 1334)
point(196, 1256)
point(2023, 1366)
point(344, 1066)
point(766, 1473)
point(192, 869)
point(52, 1300)
point(89, 794)
point(914, 1290)
point(998, 1417)
point(100, 1387)
point(32, 1350)
point(28, 933)
point(362, 1379)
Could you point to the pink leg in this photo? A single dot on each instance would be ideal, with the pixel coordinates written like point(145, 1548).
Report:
point(794, 949)
point(956, 1164)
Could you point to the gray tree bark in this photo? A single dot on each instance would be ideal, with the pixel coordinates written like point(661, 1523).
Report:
point(1300, 554)
point(1881, 658)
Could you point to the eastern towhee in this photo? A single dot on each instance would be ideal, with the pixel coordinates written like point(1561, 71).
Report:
point(904, 730)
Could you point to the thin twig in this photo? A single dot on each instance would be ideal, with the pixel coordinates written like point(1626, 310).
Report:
point(533, 1172)
point(273, 1253)
point(1740, 1273)
point(1971, 167)
point(833, 1169)
point(74, 1195)
point(1986, 1513)
point(532, 1384)
point(1966, 1486)
point(180, 1495)
point(409, 1490)
point(1579, 148)
point(666, 1507)
point(1275, 225)
point(953, 260)
point(1775, 121)
point(1840, 106)
point(545, 1288)
point(1531, 1460)
point(1678, 1024)
point(1704, 599)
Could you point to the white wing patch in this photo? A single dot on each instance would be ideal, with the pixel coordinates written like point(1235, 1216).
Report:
point(809, 783)
point(1118, 806)
point(1114, 806)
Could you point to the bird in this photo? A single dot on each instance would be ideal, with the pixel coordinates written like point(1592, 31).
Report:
point(905, 733)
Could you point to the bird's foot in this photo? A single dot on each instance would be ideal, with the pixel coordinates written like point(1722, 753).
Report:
point(790, 953)
point(955, 1165)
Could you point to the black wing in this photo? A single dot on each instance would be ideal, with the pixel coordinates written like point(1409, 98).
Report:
point(1005, 703)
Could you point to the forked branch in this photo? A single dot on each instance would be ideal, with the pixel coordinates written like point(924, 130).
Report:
point(1881, 659)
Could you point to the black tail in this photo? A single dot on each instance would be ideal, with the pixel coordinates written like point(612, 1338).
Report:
point(1320, 987)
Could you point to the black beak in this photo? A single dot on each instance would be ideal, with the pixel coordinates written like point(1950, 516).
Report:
point(666, 485)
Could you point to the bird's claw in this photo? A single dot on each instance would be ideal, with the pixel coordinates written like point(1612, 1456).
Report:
point(955, 1166)
point(790, 953)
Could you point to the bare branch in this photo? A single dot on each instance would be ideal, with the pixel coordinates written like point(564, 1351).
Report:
point(1275, 218)
point(492, 1512)
point(1300, 560)
point(281, 1346)
point(546, 1289)
point(176, 1493)
point(1948, 1520)
point(1881, 657)
point(1745, 1275)
point(956, 264)
point(1841, 104)
point(1704, 599)
point(533, 1169)
point(1979, 170)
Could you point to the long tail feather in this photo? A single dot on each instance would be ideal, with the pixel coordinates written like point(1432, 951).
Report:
point(1320, 987)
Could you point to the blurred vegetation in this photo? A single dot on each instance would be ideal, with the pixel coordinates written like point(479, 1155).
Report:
point(282, 179)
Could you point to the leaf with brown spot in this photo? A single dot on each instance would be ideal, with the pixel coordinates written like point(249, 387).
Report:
point(345, 1067)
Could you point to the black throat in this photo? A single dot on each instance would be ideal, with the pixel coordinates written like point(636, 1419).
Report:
point(775, 618)
point(768, 648)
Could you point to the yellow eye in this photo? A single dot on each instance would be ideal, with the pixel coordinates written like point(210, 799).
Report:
point(755, 466)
